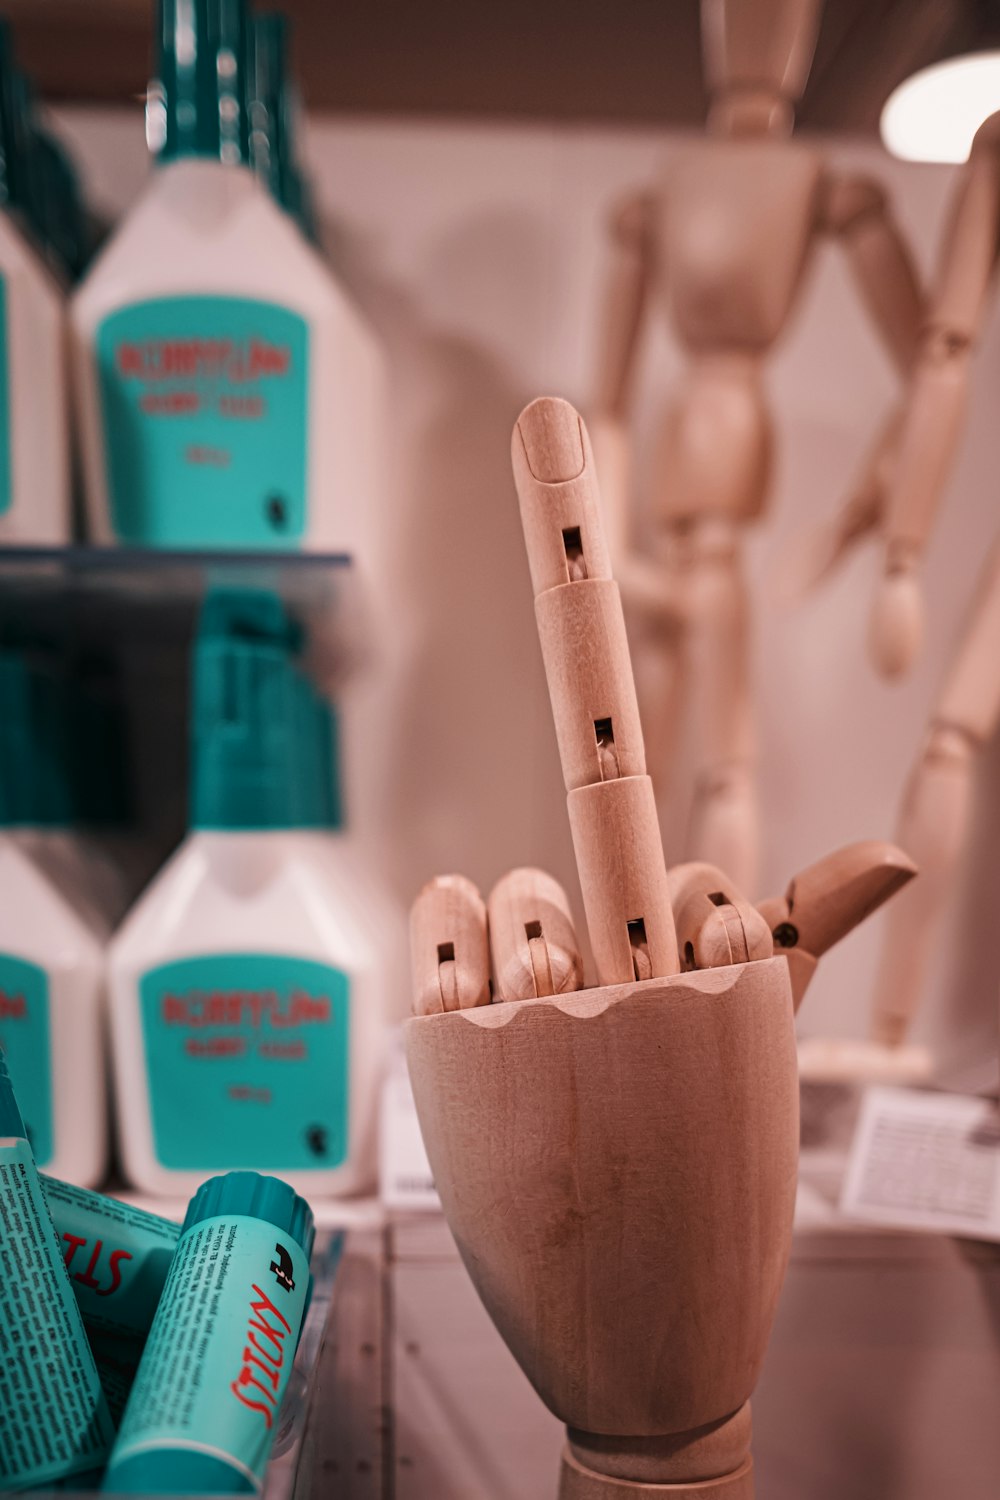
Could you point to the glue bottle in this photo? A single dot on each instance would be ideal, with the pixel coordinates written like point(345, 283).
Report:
point(248, 987)
point(229, 391)
point(34, 405)
point(51, 950)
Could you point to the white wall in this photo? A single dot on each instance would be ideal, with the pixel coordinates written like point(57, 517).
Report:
point(478, 251)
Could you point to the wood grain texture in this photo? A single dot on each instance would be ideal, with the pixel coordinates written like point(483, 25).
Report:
point(532, 937)
point(766, 45)
point(936, 403)
point(589, 673)
point(935, 813)
point(644, 67)
point(719, 1448)
point(616, 833)
point(449, 948)
point(826, 901)
point(579, 1483)
point(969, 701)
point(857, 210)
point(618, 1169)
point(715, 922)
point(619, 857)
point(557, 489)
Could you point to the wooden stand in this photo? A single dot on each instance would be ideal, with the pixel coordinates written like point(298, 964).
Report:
point(618, 1168)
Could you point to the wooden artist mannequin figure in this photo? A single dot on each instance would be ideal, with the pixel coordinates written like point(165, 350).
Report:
point(618, 1164)
point(900, 500)
point(722, 244)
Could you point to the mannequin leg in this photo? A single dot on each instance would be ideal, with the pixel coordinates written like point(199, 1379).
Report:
point(725, 818)
point(658, 664)
point(934, 817)
point(932, 829)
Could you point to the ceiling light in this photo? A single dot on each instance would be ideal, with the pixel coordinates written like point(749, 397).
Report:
point(934, 115)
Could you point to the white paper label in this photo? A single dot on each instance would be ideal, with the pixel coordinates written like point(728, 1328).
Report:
point(404, 1171)
point(925, 1161)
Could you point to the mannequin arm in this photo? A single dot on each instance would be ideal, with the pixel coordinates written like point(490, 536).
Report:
point(809, 559)
point(936, 401)
point(934, 818)
point(856, 210)
point(622, 315)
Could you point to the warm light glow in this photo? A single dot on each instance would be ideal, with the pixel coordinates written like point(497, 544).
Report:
point(934, 115)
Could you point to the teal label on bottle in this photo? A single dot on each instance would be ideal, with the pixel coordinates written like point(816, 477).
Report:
point(205, 414)
point(25, 1038)
point(53, 1418)
point(6, 482)
point(247, 1057)
point(218, 1358)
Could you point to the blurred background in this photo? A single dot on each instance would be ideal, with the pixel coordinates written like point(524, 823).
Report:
point(465, 161)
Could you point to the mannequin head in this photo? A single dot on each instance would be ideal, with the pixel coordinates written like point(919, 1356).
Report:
point(757, 55)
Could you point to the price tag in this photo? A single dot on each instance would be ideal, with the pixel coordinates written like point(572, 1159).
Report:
point(405, 1173)
point(926, 1161)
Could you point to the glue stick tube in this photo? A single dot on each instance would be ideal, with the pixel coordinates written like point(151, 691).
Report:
point(54, 1421)
point(117, 1257)
point(203, 1412)
point(117, 1357)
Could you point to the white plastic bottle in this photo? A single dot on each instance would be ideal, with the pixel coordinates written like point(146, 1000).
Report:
point(51, 969)
point(229, 391)
point(34, 404)
point(248, 986)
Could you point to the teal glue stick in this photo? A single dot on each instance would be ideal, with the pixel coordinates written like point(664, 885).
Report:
point(54, 1421)
point(203, 1412)
point(117, 1257)
point(117, 1359)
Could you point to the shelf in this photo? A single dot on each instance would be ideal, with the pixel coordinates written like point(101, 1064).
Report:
point(108, 600)
point(583, 60)
point(122, 620)
point(156, 577)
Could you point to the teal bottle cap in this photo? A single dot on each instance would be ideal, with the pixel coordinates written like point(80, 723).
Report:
point(64, 227)
point(34, 753)
point(31, 190)
point(268, 53)
point(99, 770)
point(274, 111)
point(11, 1123)
point(328, 735)
point(251, 1195)
point(196, 105)
point(9, 163)
point(254, 735)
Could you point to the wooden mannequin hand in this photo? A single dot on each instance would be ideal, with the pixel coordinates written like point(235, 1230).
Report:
point(525, 934)
point(525, 937)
